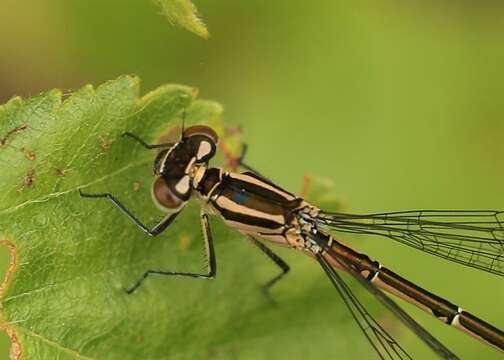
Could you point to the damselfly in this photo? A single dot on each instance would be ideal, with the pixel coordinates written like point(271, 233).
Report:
point(262, 211)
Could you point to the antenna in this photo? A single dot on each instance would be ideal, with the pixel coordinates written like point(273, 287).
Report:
point(183, 123)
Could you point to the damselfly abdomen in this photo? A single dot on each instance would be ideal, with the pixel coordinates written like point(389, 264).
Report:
point(262, 211)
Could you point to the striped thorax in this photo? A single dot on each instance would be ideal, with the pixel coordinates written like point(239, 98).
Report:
point(252, 205)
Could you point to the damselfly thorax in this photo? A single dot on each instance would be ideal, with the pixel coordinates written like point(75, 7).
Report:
point(251, 204)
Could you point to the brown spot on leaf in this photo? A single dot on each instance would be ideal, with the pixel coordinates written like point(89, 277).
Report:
point(30, 155)
point(137, 185)
point(104, 144)
point(66, 93)
point(12, 132)
point(184, 241)
point(60, 172)
point(28, 180)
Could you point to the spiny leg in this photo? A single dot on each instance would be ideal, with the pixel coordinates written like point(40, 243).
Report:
point(240, 160)
point(144, 144)
point(155, 230)
point(277, 260)
point(234, 162)
point(212, 264)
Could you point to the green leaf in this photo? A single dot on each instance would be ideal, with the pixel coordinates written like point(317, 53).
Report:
point(185, 14)
point(71, 257)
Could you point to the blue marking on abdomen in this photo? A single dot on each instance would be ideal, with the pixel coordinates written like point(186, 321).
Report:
point(240, 197)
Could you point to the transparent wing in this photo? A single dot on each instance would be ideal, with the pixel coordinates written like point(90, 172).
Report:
point(381, 341)
point(473, 238)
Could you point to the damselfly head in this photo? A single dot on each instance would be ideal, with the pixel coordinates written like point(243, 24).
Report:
point(174, 165)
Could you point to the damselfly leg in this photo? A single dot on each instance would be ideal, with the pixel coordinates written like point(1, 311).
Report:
point(154, 231)
point(144, 144)
point(210, 253)
point(242, 163)
point(155, 146)
point(236, 162)
point(284, 267)
point(277, 260)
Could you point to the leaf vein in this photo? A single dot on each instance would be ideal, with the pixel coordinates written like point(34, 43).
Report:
point(50, 196)
point(52, 343)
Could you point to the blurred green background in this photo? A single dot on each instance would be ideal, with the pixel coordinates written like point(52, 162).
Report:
point(400, 103)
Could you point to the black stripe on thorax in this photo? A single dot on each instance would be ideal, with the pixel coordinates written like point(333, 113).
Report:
point(247, 202)
point(211, 178)
point(248, 219)
point(255, 190)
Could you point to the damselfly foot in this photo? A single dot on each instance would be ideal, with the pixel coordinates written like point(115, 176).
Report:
point(131, 290)
point(284, 267)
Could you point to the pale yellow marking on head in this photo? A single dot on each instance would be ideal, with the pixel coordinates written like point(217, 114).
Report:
point(204, 149)
point(183, 185)
point(198, 176)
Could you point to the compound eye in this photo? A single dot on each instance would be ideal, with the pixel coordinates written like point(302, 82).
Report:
point(164, 197)
point(202, 131)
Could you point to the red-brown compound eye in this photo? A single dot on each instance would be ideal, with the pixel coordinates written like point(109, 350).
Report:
point(203, 131)
point(164, 197)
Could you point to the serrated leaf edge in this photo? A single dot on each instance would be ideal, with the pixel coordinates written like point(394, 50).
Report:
point(15, 350)
point(192, 20)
